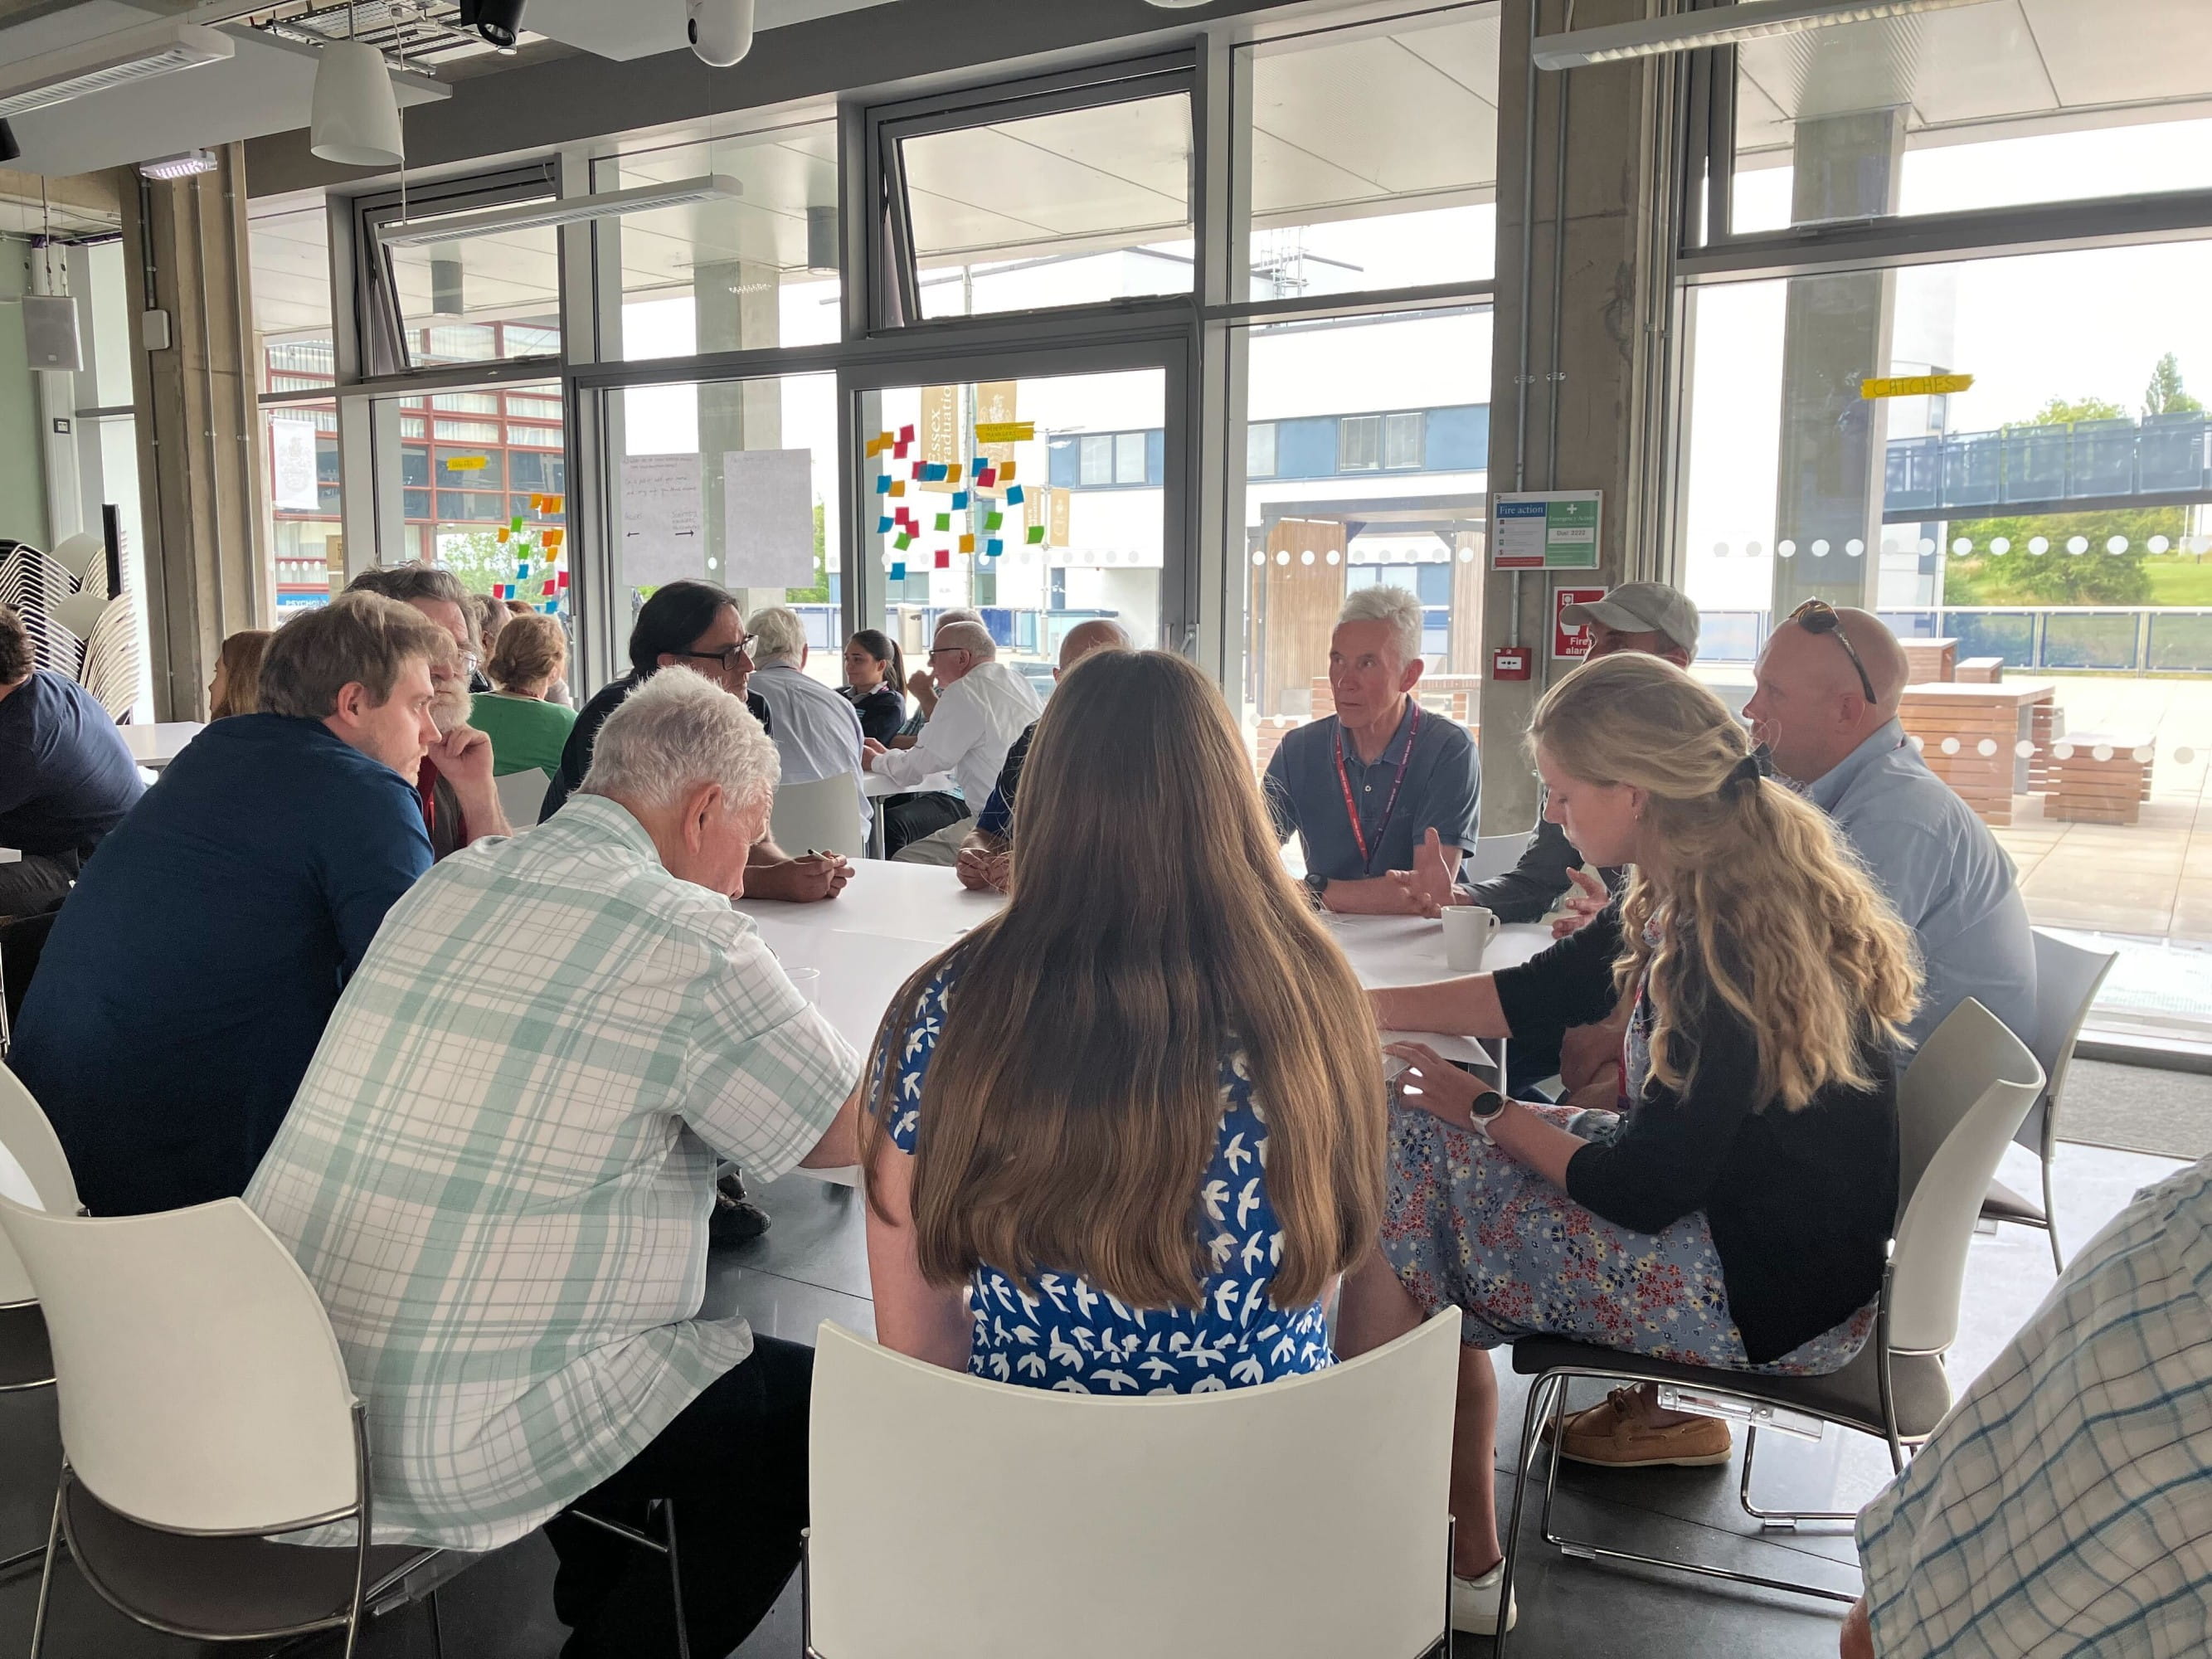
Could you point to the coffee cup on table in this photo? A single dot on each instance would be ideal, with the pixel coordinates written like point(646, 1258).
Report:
point(1469, 929)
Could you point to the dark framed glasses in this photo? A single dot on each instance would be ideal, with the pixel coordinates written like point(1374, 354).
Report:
point(1819, 616)
point(729, 656)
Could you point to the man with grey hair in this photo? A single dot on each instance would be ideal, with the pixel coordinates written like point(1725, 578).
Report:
point(983, 706)
point(817, 734)
point(497, 1175)
point(1361, 788)
point(984, 851)
point(923, 684)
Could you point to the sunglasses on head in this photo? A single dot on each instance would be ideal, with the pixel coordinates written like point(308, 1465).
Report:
point(1819, 616)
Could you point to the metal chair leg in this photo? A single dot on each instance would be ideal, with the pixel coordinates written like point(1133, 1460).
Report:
point(1539, 1392)
point(2051, 1219)
point(437, 1626)
point(675, 1578)
point(1776, 1520)
point(46, 1577)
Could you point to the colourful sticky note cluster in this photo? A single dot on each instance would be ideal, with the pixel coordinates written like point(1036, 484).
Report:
point(553, 536)
point(1014, 496)
point(943, 523)
point(932, 473)
point(1037, 535)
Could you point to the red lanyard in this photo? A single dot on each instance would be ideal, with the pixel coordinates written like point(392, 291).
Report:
point(1352, 812)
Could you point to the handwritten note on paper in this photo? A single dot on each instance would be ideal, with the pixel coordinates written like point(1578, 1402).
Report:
point(660, 519)
point(767, 503)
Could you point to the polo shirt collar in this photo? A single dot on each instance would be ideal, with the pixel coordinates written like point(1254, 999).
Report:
point(608, 821)
point(1887, 740)
point(1393, 751)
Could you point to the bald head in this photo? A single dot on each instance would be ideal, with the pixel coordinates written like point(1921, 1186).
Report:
point(1099, 633)
point(1809, 707)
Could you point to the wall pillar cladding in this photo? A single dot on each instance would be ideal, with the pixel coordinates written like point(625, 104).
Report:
point(1591, 350)
point(185, 255)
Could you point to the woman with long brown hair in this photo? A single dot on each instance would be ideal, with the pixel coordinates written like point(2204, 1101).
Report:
point(235, 687)
point(1127, 1133)
point(1735, 1213)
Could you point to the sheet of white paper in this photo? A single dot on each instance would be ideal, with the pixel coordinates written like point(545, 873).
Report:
point(660, 518)
point(292, 463)
point(768, 505)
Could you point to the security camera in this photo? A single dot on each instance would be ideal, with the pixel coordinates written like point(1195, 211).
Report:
point(721, 31)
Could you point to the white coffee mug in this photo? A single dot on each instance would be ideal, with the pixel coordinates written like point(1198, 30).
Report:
point(1469, 929)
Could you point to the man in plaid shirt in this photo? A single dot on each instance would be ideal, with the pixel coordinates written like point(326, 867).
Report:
point(499, 1168)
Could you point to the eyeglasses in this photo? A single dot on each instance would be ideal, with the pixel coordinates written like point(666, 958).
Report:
point(729, 656)
point(950, 651)
point(1819, 616)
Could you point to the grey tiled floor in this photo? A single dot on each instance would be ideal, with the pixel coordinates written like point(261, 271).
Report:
point(811, 1266)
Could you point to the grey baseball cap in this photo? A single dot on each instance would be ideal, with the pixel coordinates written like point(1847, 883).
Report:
point(1641, 608)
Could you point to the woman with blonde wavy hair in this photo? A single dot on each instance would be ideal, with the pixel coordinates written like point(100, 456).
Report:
point(1127, 1133)
point(1734, 1211)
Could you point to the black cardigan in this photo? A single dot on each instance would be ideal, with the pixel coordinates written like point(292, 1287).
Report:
point(882, 711)
point(1801, 1204)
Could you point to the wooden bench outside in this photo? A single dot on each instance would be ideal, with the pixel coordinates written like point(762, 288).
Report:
point(1981, 670)
point(2099, 777)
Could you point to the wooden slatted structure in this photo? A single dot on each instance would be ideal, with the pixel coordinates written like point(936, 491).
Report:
point(1970, 736)
point(2101, 777)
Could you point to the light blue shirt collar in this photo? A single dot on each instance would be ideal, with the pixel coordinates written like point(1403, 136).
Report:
point(1825, 792)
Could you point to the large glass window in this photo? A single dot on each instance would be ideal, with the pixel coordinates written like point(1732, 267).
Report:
point(479, 298)
point(301, 531)
point(748, 272)
point(1004, 495)
point(1374, 156)
point(734, 482)
point(291, 280)
point(1062, 208)
point(1974, 107)
point(1345, 501)
point(2039, 540)
point(483, 488)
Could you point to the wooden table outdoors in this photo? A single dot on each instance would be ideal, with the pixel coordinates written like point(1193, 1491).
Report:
point(1928, 661)
point(1971, 735)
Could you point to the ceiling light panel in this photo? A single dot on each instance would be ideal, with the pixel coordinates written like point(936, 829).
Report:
point(110, 61)
point(567, 210)
point(1727, 26)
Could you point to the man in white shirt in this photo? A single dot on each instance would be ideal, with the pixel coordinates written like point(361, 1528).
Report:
point(817, 734)
point(983, 706)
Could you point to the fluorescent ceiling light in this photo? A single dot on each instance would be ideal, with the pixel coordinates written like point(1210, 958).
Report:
point(178, 167)
point(120, 59)
point(1723, 27)
point(566, 211)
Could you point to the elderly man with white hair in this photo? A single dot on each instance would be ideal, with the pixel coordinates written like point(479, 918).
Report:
point(1363, 787)
point(498, 1169)
point(983, 706)
point(817, 734)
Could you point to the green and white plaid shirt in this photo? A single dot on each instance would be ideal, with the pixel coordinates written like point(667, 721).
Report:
point(499, 1168)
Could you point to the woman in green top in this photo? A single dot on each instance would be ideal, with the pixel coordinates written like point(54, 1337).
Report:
point(531, 653)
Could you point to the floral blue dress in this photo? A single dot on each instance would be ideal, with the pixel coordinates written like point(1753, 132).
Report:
point(1050, 1330)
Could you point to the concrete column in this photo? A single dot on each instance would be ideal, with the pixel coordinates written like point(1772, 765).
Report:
point(1836, 331)
point(737, 310)
point(1604, 350)
point(184, 253)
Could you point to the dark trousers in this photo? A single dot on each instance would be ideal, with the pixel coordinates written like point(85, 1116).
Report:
point(735, 1464)
point(909, 818)
point(36, 883)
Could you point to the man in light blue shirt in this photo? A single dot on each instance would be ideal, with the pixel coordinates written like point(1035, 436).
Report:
point(817, 734)
point(1829, 684)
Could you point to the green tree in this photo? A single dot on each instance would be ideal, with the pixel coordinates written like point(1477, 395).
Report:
point(482, 561)
point(2165, 395)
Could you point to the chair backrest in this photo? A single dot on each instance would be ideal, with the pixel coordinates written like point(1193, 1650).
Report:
point(2067, 979)
point(824, 815)
point(1958, 1104)
point(198, 1384)
point(1493, 856)
point(521, 794)
point(957, 1518)
point(33, 1171)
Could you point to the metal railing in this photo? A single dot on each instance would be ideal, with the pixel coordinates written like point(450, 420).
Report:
point(2095, 639)
point(2029, 469)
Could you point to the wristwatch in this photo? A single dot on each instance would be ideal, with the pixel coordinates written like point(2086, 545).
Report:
point(1317, 885)
point(1485, 1107)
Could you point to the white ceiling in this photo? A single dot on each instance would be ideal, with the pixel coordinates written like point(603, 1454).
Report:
point(623, 29)
point(2023, 63)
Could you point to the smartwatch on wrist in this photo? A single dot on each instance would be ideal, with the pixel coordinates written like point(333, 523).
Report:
point(1317, 885)
point(1485, 1107)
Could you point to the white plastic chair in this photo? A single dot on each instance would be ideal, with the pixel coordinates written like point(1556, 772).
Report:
point(1958, 1105)
point(955, 1517)
point(520, 795)
point(204, 1408)
point(823, 814)
point(33, 1171)
point(1493, 856)
point(2067, 980)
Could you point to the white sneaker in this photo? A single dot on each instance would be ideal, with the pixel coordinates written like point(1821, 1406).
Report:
point(1474, 1603)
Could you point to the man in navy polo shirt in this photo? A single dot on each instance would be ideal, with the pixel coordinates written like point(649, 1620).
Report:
point(66, 778)
point(1363, 787)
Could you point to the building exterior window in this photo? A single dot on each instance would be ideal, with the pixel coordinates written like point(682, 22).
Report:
point(1260, 450)
point(1402, 436)
point(1359, 443)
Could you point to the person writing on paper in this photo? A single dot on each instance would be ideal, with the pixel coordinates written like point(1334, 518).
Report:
point(1123, 1136)
point(983, 706)
point(1361, 787)
point(984, 854)
point(1736, 1213)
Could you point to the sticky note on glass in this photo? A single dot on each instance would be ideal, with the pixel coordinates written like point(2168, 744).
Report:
point(464, 463)
point(552, 607)
point(564, 580)
point(959, 501)
point(1014, 496)
point(515, 524)
point(952, 471)
point(943, 522)
point(945, 558)
point(882, 484)
point(522, 572)
point(883, 527)
point(550, 586)
point(919, 473)
point(1005, 472)
point(904, 542)
point(988, 477)
point(966, 544)
point(1037, 535)
point(906, 434)
point(554, 537)
point(994, 547)
point(898, 486)
point(982, 461)
point(898, 451)
point(502, 533)
point(554, 503)
point(932, 473)
point(875, 447)
point(1004, 432)
point(898, 570)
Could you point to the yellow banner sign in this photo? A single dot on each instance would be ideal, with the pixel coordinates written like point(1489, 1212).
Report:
point(466, 462)
point(1915, 386)
point(1005, 431)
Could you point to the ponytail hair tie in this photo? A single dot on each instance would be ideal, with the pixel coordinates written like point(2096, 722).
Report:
point(1743, 777)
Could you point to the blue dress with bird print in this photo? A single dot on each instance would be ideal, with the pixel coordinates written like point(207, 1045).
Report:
point(1051, 1330)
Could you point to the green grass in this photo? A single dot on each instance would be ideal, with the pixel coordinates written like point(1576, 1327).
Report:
point(2179, 579)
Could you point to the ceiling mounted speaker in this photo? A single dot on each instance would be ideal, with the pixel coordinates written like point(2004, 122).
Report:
point(721, 31)
point(497, 20)
point(356, 114)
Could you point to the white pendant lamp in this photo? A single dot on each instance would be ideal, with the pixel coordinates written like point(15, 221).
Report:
point(356, 114)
